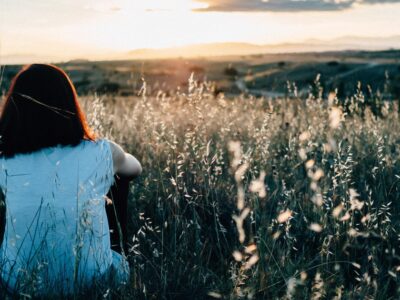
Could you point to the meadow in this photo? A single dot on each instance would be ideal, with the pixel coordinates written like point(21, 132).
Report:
point(250, 198)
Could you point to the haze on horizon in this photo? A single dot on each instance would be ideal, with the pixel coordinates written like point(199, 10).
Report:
point(102, 29)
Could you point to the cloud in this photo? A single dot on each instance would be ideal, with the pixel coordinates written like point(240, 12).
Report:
point(284, 5)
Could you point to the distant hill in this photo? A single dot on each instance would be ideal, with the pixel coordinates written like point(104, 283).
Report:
point(77, 61)
point(259, 75)
point(222, 49)
point(230, 49)
point(25, 58)
point(216, 49)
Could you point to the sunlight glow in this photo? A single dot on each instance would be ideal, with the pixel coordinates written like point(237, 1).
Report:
point(108, 28)
point(148, 5)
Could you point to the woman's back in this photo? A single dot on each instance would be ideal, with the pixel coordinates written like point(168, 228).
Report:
point(57, 234)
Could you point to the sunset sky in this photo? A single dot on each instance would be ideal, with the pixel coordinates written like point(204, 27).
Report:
point(65, 29)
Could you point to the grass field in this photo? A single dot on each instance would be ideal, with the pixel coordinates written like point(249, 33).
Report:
point(249, 198)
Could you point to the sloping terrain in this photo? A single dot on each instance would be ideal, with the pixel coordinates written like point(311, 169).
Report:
point(260, 75)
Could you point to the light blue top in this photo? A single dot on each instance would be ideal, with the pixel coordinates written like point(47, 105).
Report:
point(57, 233)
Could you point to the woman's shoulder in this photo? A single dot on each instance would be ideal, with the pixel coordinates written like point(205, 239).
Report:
point(101, 143)
point(115, 149)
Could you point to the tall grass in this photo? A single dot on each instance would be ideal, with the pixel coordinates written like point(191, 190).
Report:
point(256, 199)
point(250, 198)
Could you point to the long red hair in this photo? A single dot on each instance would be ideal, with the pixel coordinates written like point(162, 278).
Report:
point(41, 110)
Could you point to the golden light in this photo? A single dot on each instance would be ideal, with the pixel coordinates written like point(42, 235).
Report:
point(104, 29)
point(161, 5)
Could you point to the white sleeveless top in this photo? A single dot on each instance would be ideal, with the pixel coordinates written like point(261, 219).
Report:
point(57, 234)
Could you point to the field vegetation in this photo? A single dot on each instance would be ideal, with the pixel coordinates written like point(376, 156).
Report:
point(246, 198)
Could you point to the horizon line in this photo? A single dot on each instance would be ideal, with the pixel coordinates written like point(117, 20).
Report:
point(117, 55)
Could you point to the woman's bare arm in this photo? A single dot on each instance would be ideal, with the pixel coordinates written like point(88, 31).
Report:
point(125, 164)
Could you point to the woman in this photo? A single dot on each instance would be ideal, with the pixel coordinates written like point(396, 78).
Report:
point(54, 177)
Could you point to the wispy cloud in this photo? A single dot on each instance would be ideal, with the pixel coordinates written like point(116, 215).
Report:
point(285, 5)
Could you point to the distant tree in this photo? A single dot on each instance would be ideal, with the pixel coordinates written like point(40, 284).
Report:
point(281, 64)
point(332, 63)
point(231, 71)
